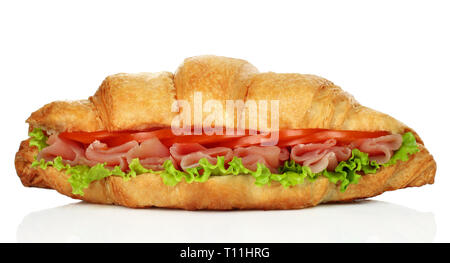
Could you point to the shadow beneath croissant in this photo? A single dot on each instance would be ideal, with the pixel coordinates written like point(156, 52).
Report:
point(363, 221)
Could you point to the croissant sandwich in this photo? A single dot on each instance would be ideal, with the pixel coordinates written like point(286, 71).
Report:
point(219, 135)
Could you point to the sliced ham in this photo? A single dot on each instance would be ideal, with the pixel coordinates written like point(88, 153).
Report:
point(270, 156)
point(187, 155)
point(320, 156)
point(380, 149)
point(284, 154)
point(305, 148)
point(179, 150)
point(251, 162)
point(151, 153)
point(71, 152)
point(327, 161)
point(101, 153)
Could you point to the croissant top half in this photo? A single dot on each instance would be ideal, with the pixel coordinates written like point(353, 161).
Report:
point(142, 101)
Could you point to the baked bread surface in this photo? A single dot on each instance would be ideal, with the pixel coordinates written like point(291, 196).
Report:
point(135, 101)
point(145, 100)
point(142, 101)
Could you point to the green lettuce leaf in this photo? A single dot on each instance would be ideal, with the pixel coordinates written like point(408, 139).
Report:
point(347, 172)
point(409, 147)
point(81, 176)
point(38, 139)
point(289, 174)
point(205, 169)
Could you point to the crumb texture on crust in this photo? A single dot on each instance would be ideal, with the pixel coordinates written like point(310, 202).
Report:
point(227, 192)
point(145, 100)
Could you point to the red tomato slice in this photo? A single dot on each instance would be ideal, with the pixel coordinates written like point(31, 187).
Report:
point(118, 140)
point(161, 134)
point(201, 139)
point(115, 138)
point(259, 138)
point(288, 134)
point(242, 142)
point(340, 136)
point(165, 135)
point(89, 137)
point(139, 137)
point(286, 137)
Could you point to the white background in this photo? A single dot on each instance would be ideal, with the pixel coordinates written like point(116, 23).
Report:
point(391, 55)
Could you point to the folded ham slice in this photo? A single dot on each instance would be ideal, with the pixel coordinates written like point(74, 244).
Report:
point(379, 149)
point(71, 152)
point(270, 156)
point(187, 155)
point(284, 154)
point(100, 153)
point(151, 153)
point(320, 156)
point(179, 150)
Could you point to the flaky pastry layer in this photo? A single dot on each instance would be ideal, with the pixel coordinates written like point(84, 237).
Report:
point(142, 101)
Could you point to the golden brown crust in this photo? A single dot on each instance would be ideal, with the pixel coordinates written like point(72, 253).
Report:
point(141, 101)
point(228, 192)
point(308, 101)
point(216, 78)
point(29, 176)
point(67, 116)
point(135, 101)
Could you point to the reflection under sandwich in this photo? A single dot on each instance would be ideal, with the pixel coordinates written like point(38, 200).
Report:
point(363, 221)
